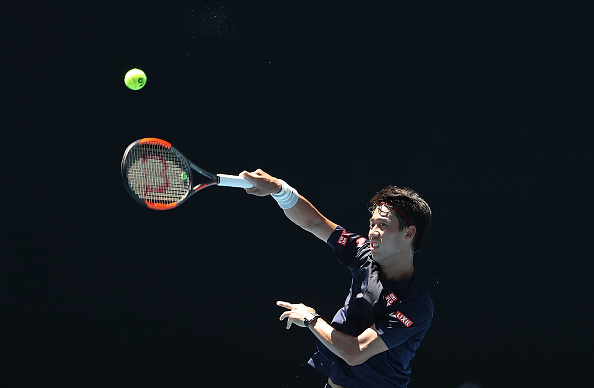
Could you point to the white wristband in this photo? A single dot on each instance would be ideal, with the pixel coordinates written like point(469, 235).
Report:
point(287, 197)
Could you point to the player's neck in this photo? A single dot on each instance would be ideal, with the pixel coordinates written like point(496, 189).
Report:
point(400, 266)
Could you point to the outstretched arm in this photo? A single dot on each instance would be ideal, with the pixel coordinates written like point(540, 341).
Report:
point(303, 213)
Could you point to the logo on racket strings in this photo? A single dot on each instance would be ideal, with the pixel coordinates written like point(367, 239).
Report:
point(155, 174)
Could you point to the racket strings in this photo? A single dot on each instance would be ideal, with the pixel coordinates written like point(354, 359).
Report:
point(157, 174)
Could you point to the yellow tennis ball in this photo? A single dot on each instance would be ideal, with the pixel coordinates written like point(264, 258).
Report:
point(135, 79)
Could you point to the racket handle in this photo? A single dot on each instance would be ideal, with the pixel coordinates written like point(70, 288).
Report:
point(233, 181)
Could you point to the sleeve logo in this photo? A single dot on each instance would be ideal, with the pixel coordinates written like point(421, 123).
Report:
point(344, 238)
point(402, 318)
point(391, 298)
point(361, 241)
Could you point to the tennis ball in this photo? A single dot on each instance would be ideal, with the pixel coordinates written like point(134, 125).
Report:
point(135, 79)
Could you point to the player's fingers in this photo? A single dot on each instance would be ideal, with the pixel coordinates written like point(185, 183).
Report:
point(251, 177)
point(286, 305)
point(256, 191)
point(284, 315)
point(246, 175)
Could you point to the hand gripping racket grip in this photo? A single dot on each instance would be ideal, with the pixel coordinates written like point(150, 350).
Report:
point(233, 181)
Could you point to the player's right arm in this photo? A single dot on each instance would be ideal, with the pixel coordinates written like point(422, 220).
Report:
point(303, 213)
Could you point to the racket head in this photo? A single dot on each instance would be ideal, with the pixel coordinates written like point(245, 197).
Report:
point(155, 174)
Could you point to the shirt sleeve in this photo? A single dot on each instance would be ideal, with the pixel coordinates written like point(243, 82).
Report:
point(395, 333)
point(349, 248)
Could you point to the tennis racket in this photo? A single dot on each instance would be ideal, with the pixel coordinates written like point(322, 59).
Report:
point(159, 177)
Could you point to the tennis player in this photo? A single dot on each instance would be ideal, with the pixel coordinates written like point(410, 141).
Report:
point(374, 336)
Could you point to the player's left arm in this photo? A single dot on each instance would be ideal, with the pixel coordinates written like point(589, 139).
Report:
point(353, 350)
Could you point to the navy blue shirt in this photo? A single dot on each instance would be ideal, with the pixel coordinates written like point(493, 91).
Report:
point(400, 310)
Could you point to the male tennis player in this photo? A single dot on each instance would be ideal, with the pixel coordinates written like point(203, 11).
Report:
point(372, 339)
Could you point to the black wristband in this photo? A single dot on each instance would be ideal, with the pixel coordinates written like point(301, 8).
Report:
point(311, 317)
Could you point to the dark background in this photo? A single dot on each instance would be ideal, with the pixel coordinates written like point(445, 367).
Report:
point(482, 108)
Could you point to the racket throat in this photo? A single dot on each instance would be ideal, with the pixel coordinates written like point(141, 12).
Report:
point(203, 186)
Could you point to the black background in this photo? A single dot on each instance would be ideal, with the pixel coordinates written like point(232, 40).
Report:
point(482, 108)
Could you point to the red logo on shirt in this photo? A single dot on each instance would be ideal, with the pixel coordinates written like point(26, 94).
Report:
point(402, 318)
point(361, 241)
point(391, 298)
point(344, 238)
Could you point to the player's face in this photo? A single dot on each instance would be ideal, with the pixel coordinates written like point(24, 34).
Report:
point(385, 236)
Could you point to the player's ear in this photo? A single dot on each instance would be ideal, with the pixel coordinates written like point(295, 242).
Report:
point(411, 231)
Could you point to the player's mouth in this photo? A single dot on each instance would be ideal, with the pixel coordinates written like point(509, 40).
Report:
point(374, 245)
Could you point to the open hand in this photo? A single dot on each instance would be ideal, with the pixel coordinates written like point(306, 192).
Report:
point(295, 313)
